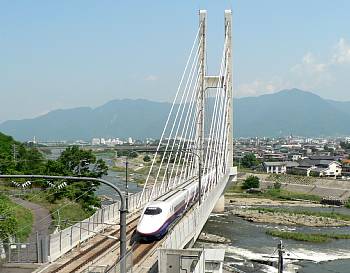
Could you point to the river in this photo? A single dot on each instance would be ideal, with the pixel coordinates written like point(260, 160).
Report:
point(250, 245)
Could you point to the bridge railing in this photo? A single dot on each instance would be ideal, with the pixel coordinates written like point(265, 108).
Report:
point(190, 226)
point(68, 238)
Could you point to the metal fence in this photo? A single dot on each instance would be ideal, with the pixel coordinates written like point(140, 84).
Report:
point(33, 252)
point(22, 252)
point(63, 241)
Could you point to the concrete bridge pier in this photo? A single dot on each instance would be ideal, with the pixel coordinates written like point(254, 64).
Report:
point(220, 205)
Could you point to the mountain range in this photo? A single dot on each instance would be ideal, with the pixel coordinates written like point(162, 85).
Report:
point(283, 113)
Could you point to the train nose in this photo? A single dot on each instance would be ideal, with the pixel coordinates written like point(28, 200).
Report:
point(149, 225)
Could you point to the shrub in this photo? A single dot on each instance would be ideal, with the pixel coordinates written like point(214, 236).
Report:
point(277, 185)
point(251, 182)
point(146, 158)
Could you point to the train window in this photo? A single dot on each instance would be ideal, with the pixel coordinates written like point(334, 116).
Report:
point(153, 211)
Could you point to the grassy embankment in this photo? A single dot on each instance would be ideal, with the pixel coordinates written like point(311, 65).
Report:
point(332, 215)
point(274, 194)
point(307, 237)
point(24, 218)
point(69, 212)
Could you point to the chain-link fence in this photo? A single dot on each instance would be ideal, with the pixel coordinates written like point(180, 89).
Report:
point(21, 252)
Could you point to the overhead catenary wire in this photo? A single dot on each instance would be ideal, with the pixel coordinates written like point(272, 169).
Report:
point(52, 213)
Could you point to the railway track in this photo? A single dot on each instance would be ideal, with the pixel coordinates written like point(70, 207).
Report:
point(94, 251)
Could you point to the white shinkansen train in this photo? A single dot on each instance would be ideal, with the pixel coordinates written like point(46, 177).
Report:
point(158, 215)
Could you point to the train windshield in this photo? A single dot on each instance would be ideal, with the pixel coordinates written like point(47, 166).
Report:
point(153, 211)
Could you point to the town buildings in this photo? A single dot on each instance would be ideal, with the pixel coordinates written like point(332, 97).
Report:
point(321, 157)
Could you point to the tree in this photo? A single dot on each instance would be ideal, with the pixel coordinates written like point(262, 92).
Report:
point(77, 162)
point(16, 158)
point(345, 145)
point(9, 223)
point(249, 161)
point(128, 153)
point(251, 182)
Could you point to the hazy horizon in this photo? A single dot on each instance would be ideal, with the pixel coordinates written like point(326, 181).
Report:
point(149, 99)
point(69, 54)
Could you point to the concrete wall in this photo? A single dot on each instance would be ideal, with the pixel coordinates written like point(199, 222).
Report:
point(312, 189)
point(190, 226)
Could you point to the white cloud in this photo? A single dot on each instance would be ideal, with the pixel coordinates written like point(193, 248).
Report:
point(151, 78)
point(309, 74)
point(341, 53)
point(309, 65)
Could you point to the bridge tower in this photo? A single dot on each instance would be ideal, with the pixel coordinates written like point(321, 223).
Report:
point(207, 81)
point(229, 84)
point(224, 82)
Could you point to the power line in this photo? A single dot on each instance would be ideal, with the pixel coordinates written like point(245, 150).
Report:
point(52, 213)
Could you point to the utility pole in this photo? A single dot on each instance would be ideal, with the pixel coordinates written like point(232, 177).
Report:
point(59, 220)
point(14, 153)
point(126, 184)
point(280, 257)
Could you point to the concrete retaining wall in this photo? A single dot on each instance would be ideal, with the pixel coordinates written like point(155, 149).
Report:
point(321, 191)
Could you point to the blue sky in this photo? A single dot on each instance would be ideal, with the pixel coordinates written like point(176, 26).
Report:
point(62, 54)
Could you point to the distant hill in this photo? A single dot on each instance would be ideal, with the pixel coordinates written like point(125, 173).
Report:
point(343, 106)
point(279, 114)
point(291, 111)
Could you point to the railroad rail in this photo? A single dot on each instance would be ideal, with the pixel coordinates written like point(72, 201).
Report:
point(94, 251)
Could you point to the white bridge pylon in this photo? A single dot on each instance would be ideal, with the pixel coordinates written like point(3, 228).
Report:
point(197, 139)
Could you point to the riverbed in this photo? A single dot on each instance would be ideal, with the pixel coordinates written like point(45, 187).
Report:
point(252, 250)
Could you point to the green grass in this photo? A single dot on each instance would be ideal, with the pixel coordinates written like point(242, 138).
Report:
point(273, 194)
point(69, 215)
point(70, 212)
point(104, 153)
point(288, 195)
point(119, 169)
point(234, 189)
point(332, 215)
point(25, 222)
point(347, 204)
point(307, 237)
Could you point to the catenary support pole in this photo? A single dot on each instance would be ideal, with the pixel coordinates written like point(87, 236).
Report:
point(280, 257)
point(126, 184)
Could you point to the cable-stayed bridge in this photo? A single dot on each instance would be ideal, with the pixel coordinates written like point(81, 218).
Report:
point(196, 145)
point(195, 148)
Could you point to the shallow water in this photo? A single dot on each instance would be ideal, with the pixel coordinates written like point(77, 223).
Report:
point(250, 242)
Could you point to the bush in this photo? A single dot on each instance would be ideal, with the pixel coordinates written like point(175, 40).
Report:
point(251, 182)
point(277, 185)
point(146, 158)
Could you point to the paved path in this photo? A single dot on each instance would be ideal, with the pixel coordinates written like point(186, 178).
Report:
point(42, 221)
